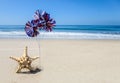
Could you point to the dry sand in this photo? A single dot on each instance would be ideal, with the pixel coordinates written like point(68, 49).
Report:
point(63, 61)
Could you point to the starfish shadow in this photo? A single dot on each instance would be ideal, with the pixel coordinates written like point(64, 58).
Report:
point(37, 70)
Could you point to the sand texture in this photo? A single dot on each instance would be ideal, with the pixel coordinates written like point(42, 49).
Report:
point(62, 61)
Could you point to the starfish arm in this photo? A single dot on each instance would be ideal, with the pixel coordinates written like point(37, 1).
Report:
point(34, 58)
point(14, 58)
point(25, 52)
point(19, 69)
point(30, 68)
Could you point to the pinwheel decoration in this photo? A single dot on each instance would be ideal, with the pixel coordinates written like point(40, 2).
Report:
point(41, 21)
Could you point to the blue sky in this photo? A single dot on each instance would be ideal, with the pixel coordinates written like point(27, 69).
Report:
point(65, 12)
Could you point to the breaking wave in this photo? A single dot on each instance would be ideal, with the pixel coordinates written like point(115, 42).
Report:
point(60, 35)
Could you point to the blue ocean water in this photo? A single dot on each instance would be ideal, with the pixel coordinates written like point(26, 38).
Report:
point(65, 32)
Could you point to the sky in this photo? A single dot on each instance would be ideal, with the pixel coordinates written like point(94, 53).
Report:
point(65, 12)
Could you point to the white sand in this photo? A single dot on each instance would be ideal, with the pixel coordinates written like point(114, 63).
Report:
point(63, 61)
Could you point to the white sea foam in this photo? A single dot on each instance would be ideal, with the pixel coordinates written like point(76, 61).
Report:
point(12, 33)
point(60, 35)
point(71, 35)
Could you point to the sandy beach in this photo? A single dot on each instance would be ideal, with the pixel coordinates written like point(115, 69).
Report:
point(62, 61)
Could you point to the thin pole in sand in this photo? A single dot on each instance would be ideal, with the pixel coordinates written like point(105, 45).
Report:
point(39, 50)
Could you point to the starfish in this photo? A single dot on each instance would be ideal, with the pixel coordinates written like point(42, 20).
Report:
point(24, 61)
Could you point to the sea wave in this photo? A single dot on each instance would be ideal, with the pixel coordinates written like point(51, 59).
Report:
point(12, 33)
point(60, 35)
point(71, 35)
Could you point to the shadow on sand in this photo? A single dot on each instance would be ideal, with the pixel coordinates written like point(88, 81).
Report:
point(37, 70)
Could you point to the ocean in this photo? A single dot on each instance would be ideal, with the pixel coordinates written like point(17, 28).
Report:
point(65, 32)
